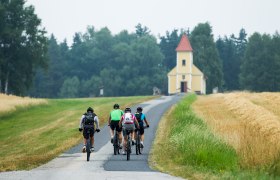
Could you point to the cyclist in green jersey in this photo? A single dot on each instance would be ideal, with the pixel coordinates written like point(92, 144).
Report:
point(113, 122)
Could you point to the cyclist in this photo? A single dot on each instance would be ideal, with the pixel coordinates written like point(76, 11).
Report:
point(128, 121)
point(87, 122)
point(113, 122)
point(141, 118)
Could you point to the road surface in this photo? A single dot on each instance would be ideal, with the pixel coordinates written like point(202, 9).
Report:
point(104, 165)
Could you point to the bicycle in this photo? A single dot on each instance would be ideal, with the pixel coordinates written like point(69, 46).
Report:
point(116, 143)
point(138, 147)
point(88, 144)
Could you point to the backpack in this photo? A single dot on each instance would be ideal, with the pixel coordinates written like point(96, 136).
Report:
point(128, 118)
point(138, 116)
point(89, 118)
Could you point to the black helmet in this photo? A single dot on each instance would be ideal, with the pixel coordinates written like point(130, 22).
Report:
point(116, 106)
point(127, 109)
point(140, 109)
point(89, 109)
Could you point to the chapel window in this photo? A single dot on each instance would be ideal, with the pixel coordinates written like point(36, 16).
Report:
point(183, 62)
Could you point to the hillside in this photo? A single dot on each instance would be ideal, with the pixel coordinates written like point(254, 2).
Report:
point(43, 131)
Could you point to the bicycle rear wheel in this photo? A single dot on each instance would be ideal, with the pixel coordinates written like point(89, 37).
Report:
point(88, 146)
point(116, 146)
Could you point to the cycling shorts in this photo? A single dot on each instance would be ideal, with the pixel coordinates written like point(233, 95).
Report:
point(141, 130)
point(86, 134)
point(115, 125)
point(128, 127)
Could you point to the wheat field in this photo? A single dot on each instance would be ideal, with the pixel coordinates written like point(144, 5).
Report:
point(249, 122)
point(9, 102)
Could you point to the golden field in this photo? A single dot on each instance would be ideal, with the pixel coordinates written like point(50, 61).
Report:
point(249, 122)
point(10, 102)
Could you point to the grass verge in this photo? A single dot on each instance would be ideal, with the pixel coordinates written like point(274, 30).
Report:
point(33, 135)
point(186, 147)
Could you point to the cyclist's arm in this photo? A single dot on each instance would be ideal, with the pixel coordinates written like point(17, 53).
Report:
point(136, 122)
point(120, 123)
point(96, 122)
point(146, 120)
point(109, 120)
point(82, 122)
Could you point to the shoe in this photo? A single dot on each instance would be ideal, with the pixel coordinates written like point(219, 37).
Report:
point(123, 152)
point(91, 149)
point(120, 146)
point(84, 149)
point(112, 140)
point(141, 145)
point(133, 142)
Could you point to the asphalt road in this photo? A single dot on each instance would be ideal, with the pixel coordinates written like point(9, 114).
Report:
point(104, 164)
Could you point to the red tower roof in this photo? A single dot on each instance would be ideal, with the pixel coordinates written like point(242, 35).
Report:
point(184, 44)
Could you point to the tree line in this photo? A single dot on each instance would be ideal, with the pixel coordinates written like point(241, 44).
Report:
point(126, 63)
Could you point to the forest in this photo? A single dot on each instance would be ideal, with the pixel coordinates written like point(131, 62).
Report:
point(127, 63)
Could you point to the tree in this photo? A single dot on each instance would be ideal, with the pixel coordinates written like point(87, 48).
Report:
point(47, 83)
point(231, 51)
point(227, 53)
point(124, 64)
point(70, 87)
point(206, 56)
point(23, 46)
point(167, 46)
point(142, 31)
point(260, 70)
point(90, 87)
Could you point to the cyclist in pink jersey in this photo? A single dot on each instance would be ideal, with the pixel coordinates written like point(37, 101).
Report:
point(128, 122)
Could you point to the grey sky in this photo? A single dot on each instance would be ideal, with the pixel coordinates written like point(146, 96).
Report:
point(65, 17)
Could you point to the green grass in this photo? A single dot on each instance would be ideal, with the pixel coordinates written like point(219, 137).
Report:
point(34, 135)
point(188, 148)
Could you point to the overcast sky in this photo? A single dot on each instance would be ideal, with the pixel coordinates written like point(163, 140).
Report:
point(65, 17)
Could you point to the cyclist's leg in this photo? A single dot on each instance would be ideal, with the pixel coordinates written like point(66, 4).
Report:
point(124, 140)
point(85, 135)
point(133, 134)
point(85, 139)
point(142, 135)
point(119, 130)
point(112, 127)
point(92, 137)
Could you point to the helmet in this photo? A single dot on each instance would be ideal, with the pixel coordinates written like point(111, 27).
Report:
point(140, 109)
point(127, 109)
point(116, 106)
point(89, 109)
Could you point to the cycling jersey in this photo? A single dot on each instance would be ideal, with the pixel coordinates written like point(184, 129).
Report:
point(128, 118)
point(116, 114)
point(140, 117)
